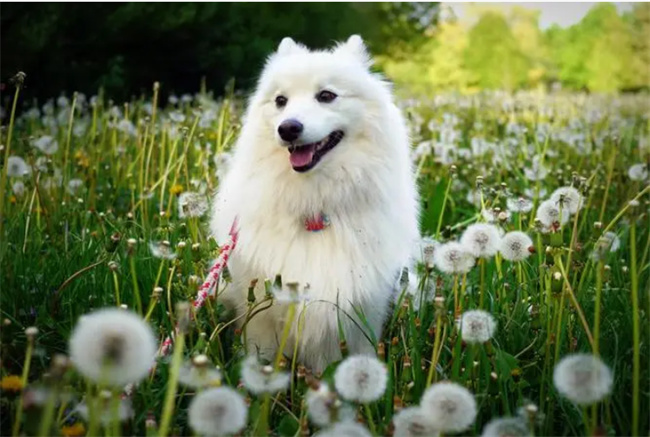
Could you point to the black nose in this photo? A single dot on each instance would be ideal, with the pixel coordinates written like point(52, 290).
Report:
point(290, 130)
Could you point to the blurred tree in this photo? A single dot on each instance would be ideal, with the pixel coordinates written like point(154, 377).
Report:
point(639, 21)
point(493, 54)
point(125, 47)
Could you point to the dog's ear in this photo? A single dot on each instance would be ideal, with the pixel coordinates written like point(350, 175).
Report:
point(288, 46)
point(356, 48)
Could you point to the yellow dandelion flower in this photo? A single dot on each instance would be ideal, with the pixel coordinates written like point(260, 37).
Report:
point(76, 430)
point(11, 383)
point(176, 189)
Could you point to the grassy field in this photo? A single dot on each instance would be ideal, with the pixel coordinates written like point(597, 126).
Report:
point(92, 197)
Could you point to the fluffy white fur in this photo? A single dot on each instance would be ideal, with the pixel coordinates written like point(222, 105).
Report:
point(365, 185)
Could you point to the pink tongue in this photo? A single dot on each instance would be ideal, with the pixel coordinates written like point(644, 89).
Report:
point(302, 156)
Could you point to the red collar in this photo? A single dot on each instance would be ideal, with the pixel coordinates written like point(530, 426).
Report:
point(315, 224)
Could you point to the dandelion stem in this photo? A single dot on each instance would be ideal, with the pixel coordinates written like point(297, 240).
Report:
point(371, 422)
point(172, 384)
point(5, 167)
point(23, 383)
point(291, 312)
point(636, 334)
point(575, 303)
point(136, 289)
point(48, 414)
point(444, 204)
point(66, 154)
point(434, 352)
point(117, 289)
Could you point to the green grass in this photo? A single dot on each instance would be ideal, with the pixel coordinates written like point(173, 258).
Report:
point(56, 246)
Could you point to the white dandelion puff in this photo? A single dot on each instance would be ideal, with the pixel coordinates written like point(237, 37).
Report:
point(344, 429)
point(453, 258)
point(477, 326)
point(176, 117)
point(582, 378)
point(515, 246)
point(492, 215)
point(18, 188)
point(361, 378)
point(519, 204)
point(506, 427)
point(568, 198)
point(104, 405)
point(481, 240)
point(414, 422)
point(291, 293)
point(162, 250)
point(217, 411)
point(537, 171)
point(450, 406)
point(324, 407)
point(191, 204)
point(638, 172)
point(608, 242)
point(74, 186)
point(17, 167)
point(46, 144)
point(199, 373)
point(113, 346)
point(549, 213)
point(259, 378)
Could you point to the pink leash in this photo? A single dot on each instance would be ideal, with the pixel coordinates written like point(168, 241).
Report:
point(212, 279)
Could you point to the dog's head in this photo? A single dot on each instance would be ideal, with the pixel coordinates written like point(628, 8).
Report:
point(312, 106)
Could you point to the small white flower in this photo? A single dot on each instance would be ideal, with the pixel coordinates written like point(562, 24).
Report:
point(113, 346)
point(191, 204)
point(199, 373)
point(450, 406)
point(104, 406)
point(582, 378)
point(17, 167)
point(162, 250)
point(515, 246)
point(18, 188)
point(477, 326)
point(74, 185)
point(258, 378)
point(481, 240)
point(217, 411)
point(638, 172)
point(344, 429)
point(549, 213)
point(506, 427)
point(453, 258)
point(324, 408)
point(414, 422)
point(46, 144)
point(568, 198)
point(361, 378)
point(519, 204)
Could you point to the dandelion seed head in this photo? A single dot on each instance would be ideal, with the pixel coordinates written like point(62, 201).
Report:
point(114, 346)
point(638, 172)
point(324, 408)
point(162, 250)
point(361, 378)
point(450, 406)
point(258, 378)
point(414, 422)
point(481, 240)
point(568, 198)
point(519, 204)
point(549, 213)
point(582, 378)
point(217, 411)
point(199, 373)
point(344, 429)
point(608, 242)
point(46, 144)
point(191, 204)
point(515, 246)
point(105, 409)
point(453, 258)
point(291, 292)
point(506, 427)
point(17, 167)
point(74, 186)
point(477, 326)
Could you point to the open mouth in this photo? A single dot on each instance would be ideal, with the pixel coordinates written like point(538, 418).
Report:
point(304, 157)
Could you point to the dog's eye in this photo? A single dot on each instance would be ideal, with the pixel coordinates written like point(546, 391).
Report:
point(325, 96)
point(280, 101)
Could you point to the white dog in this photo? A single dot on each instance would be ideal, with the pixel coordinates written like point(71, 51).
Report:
point(322, 186)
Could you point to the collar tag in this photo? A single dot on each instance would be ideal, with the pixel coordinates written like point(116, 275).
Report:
point(316, 224)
